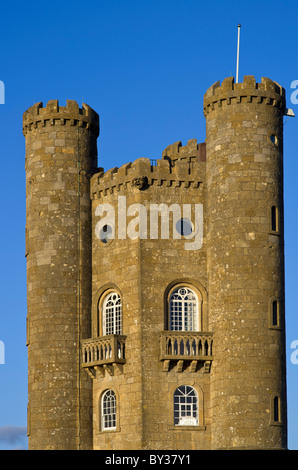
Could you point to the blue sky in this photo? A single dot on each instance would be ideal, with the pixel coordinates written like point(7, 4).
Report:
point(144, 66)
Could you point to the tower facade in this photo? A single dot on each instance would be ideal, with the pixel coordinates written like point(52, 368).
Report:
point(143, 265)
point(156, 291)
point(61, 153)
point(244, 179)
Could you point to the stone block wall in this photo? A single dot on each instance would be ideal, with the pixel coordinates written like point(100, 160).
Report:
point(60, 151)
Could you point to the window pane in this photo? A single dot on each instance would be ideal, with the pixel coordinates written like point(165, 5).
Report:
point(185, 406)
point(109, 410)
point(112, 314)
point(183, 310)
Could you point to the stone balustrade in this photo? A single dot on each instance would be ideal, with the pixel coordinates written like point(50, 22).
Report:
point(190, 346)
point(103, 350)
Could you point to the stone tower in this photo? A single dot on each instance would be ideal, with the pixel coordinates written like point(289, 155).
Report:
point(156, 292)
point(244, 179)
point(61, 155)
point(143, 271)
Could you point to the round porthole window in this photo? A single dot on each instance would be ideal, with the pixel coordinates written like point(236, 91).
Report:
point(273, 139)
point(106, 234)
point(184, 227)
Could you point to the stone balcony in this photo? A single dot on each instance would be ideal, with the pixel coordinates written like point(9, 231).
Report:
point(186, 349)
point(103, 354)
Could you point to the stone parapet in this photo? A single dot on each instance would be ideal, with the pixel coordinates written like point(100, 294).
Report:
point(142, 174)
point(70, 115)
point(191, 151)
point(267, 92)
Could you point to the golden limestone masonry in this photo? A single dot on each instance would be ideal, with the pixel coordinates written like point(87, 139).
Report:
point(156, 316)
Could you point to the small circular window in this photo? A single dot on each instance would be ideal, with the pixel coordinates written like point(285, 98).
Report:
point(106, 234)
point(184, 227)
point(273, 139)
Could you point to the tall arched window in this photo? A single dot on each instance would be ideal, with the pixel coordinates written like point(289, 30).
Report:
point(183, 310)
point(186, 405)
point(108, 411)
point(112, 314)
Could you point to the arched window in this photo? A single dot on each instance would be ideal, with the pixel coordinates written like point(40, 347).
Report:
point(112, 314)
point(108, 411)
point(276, 418)
point(183, 310)
point(186, 406)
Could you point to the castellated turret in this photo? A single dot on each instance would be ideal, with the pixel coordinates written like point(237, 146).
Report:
point(156, 290)
point(61, 155)
point(244, 182)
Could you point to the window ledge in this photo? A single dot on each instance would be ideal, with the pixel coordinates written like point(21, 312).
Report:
point(187, 428)
point(276, 423)
point(108, 431)
point(274, 232)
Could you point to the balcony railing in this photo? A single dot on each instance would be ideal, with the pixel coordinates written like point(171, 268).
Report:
point(181, 346)
point(104, 350)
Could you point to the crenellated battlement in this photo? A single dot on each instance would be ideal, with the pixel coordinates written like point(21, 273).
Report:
point(191, 150)
point(141, 174)
point(267, 92)
point(38, 116)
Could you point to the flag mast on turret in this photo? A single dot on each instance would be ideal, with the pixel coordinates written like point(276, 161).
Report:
point(238, 45)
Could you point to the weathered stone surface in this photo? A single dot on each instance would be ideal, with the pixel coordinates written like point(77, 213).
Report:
point(236, 177)
point(58, 272)
point(244, 179)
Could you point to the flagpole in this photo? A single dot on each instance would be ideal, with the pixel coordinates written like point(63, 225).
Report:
point(238, 45)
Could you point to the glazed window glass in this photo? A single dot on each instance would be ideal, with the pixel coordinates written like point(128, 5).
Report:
point(108, 410)
point(185, 406)
point(183, 310)
point(112, 314)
